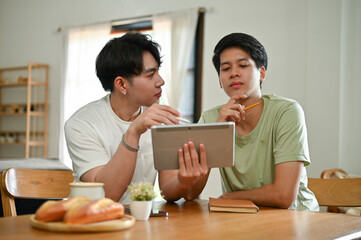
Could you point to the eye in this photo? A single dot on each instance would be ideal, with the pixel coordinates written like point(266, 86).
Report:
point(225, 69)
point(243, 64)
point(151, 74)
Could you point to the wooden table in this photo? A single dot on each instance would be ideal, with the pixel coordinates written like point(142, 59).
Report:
point(192, 220)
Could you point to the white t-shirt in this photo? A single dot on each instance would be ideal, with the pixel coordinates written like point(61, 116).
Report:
point(93, 135)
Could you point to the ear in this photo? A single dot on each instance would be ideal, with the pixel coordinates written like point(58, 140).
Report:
point(220, 83)
point(120, 84)
point(262, 74)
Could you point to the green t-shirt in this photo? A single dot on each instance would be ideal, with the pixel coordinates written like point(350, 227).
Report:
point(280, 136)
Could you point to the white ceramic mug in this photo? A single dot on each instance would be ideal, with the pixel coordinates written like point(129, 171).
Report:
point(92, 190)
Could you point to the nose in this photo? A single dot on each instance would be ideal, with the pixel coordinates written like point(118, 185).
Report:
point(234, 72)
point(160, 82)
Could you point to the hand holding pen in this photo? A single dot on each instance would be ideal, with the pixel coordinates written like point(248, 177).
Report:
point(233, 111)
point(184, 120)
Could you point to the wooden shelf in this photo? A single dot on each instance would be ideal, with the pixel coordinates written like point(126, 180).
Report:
point(31, 143)
point(30, 65)
point(12, 114)
point(22, 132)
point(22, 84)
point(22, 104)
point(23, 114)
point(12, 143)
point(37, 143)
point(34, 110)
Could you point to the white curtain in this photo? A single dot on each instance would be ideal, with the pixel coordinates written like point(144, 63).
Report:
point(81, 85)
point(175, 33)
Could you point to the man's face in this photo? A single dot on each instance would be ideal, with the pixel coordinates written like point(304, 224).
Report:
point(145, 89)
point(238, 73)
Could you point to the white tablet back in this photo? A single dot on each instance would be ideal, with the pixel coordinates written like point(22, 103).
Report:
point(218, 139)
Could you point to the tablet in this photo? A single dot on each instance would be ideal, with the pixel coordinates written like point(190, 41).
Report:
point(218, 139)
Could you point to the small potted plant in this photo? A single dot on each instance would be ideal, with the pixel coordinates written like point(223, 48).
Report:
point(141, 196)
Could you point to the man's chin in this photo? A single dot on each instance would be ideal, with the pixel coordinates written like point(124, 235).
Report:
point(150, 104)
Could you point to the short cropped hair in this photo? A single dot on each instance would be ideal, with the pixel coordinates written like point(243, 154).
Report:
point(123, 57)
point(244, 41)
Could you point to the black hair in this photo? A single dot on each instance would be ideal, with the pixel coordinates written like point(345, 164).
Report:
point(123, 56)
point(244, 41)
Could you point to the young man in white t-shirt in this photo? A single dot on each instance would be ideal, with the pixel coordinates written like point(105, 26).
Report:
point(109, 140)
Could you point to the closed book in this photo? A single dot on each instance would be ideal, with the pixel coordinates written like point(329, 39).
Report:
point(232, 205)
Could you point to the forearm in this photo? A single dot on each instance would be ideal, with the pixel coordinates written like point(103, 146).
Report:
point(267, 195)
point(173, 189)
point(118, 172)
point(117, 175)
point(281, 193)
point(197, 188)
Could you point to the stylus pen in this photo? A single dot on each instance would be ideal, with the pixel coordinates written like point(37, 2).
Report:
point(183, 120)
point(251, 106)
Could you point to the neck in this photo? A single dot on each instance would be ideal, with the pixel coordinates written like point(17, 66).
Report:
point(253, 115)
point(250, 100)
point(123, 108)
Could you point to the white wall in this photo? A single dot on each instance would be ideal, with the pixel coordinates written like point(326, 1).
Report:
point(313, 47)
point(350, 85)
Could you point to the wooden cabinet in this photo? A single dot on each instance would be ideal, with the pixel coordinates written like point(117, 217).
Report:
point(24, 111)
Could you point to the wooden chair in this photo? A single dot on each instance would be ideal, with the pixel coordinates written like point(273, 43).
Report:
point(335, 192)
point(333, 173)
point(33, 184)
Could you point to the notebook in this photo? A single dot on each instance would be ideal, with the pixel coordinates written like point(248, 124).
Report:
point(218, 139)
point(232, 205)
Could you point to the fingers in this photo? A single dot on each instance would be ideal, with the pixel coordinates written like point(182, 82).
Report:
point(233, 99)
point(182, 167)
point(155, 115)
point(232, 111)
point(163, 114)
point(188, 157)
point(190, 164)
point(203, 157)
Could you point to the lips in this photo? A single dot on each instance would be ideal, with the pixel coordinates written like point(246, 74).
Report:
point(236, 84)
point(158, 95)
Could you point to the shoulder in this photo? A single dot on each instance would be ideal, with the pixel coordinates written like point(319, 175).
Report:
point(210, 115)
point(279, 100)
point(89, 112)
point(281, 110)
point(278, 103)
point(286, 118)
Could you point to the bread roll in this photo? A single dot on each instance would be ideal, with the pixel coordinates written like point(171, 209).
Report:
point(98, 210)
point(52, 211)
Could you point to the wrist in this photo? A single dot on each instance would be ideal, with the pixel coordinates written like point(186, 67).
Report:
point(184, 184)
point(129, 147)
point(133, 131)
point(130, 141)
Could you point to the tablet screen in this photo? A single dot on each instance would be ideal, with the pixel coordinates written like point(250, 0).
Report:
point(218, 139)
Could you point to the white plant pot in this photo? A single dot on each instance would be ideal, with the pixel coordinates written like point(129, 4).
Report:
point(140, 209)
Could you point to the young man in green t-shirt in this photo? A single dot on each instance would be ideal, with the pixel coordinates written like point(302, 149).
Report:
point(271, 148)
